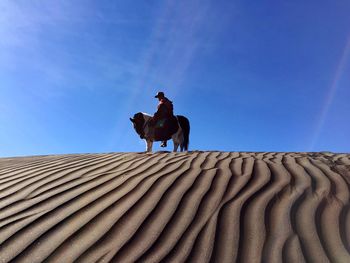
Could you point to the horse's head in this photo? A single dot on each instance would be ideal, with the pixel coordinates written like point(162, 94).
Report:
point(139, 121)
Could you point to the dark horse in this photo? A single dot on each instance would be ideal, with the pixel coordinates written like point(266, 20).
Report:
point(179, 132)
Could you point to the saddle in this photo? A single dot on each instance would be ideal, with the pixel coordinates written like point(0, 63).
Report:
point(165, 128)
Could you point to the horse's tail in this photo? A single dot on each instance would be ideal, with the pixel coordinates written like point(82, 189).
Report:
point(185, 126)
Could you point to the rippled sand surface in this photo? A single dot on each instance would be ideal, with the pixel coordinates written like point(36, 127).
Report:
point(176, 207)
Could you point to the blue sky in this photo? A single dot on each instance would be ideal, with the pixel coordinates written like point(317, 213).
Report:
point(250, 75)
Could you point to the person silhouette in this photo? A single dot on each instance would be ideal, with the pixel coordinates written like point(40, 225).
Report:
point(165, 112)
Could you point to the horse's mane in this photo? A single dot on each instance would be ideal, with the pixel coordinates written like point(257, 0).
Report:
point(144, 113)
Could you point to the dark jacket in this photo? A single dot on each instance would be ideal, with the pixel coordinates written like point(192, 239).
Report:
point(165, 110)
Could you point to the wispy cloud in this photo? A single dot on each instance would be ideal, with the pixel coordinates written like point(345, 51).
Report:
point(329, 98)
point(174, 42)
point(21, 22)
point(55, 41)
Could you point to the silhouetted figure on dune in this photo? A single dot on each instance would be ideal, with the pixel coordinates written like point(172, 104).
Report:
point(162, 126)
point(163, 119)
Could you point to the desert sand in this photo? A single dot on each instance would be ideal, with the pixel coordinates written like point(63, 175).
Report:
point(176, 207)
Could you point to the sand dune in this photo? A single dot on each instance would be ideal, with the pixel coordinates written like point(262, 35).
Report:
point(176, 207)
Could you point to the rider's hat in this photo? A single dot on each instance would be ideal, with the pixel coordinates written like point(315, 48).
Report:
point(160, 94)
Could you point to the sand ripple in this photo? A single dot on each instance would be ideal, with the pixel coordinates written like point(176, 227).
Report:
point(176, 207)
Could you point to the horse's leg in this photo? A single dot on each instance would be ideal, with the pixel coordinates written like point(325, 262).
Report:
point(149, 145)
point(176, 141)
point(176, 145)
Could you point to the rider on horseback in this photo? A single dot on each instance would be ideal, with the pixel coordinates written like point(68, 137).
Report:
point(165, 111)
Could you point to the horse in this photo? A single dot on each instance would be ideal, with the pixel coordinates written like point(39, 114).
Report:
point(179, 135)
